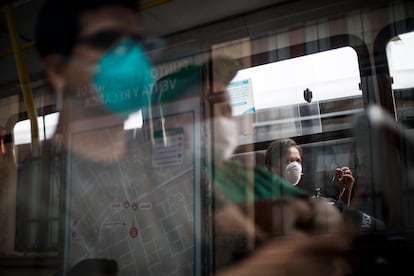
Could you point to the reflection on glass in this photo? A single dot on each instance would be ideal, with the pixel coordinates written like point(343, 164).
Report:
point(401, 68)
point(299, 96)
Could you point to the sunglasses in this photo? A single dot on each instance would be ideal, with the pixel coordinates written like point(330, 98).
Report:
point(105, 39)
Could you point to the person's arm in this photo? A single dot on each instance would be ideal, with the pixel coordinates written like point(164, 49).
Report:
point(316, 251)
point(345, 182)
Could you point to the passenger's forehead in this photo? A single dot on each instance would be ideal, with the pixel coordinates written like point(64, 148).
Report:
point(110, 17)
point(293, 152)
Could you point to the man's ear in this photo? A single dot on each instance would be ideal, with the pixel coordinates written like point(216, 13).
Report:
point(54, 66)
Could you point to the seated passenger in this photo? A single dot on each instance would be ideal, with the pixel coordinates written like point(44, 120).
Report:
point(284, 158)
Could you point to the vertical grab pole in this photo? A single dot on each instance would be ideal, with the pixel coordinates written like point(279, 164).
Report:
point(23, 74)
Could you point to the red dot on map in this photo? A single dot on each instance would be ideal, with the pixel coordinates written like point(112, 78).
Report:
point(133, 232)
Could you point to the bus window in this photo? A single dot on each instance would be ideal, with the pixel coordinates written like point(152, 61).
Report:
point(401, 68)
point(47, 126)
point(38, 198)
point(299, 96)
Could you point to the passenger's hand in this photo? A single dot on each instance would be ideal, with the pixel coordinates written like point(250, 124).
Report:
point(344, 179)
point(314, 250)
point(318, 252)
point(317, 255)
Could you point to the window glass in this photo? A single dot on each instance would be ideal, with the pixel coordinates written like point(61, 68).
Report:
point(298, 96)
point(401, 60)
point(401, 68)
point(47, 125)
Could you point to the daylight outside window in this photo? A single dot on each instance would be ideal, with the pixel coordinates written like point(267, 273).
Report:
point(331, 74)
point(299, 96)
point(47, 126)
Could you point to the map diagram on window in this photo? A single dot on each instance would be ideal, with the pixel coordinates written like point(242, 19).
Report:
point(141, 210)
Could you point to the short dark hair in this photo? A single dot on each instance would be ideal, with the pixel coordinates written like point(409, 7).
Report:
point(58, 23)
point(88, 267)
point(277, 150)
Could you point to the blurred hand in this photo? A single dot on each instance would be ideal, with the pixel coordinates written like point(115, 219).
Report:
point(344, 179)
point(295, 256)
point(317, 251)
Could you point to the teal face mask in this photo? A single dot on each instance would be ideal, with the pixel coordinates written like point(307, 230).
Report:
point(123, 77)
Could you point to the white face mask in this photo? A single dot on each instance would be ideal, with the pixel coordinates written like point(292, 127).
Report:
point(226, 136)
point(293, 172)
